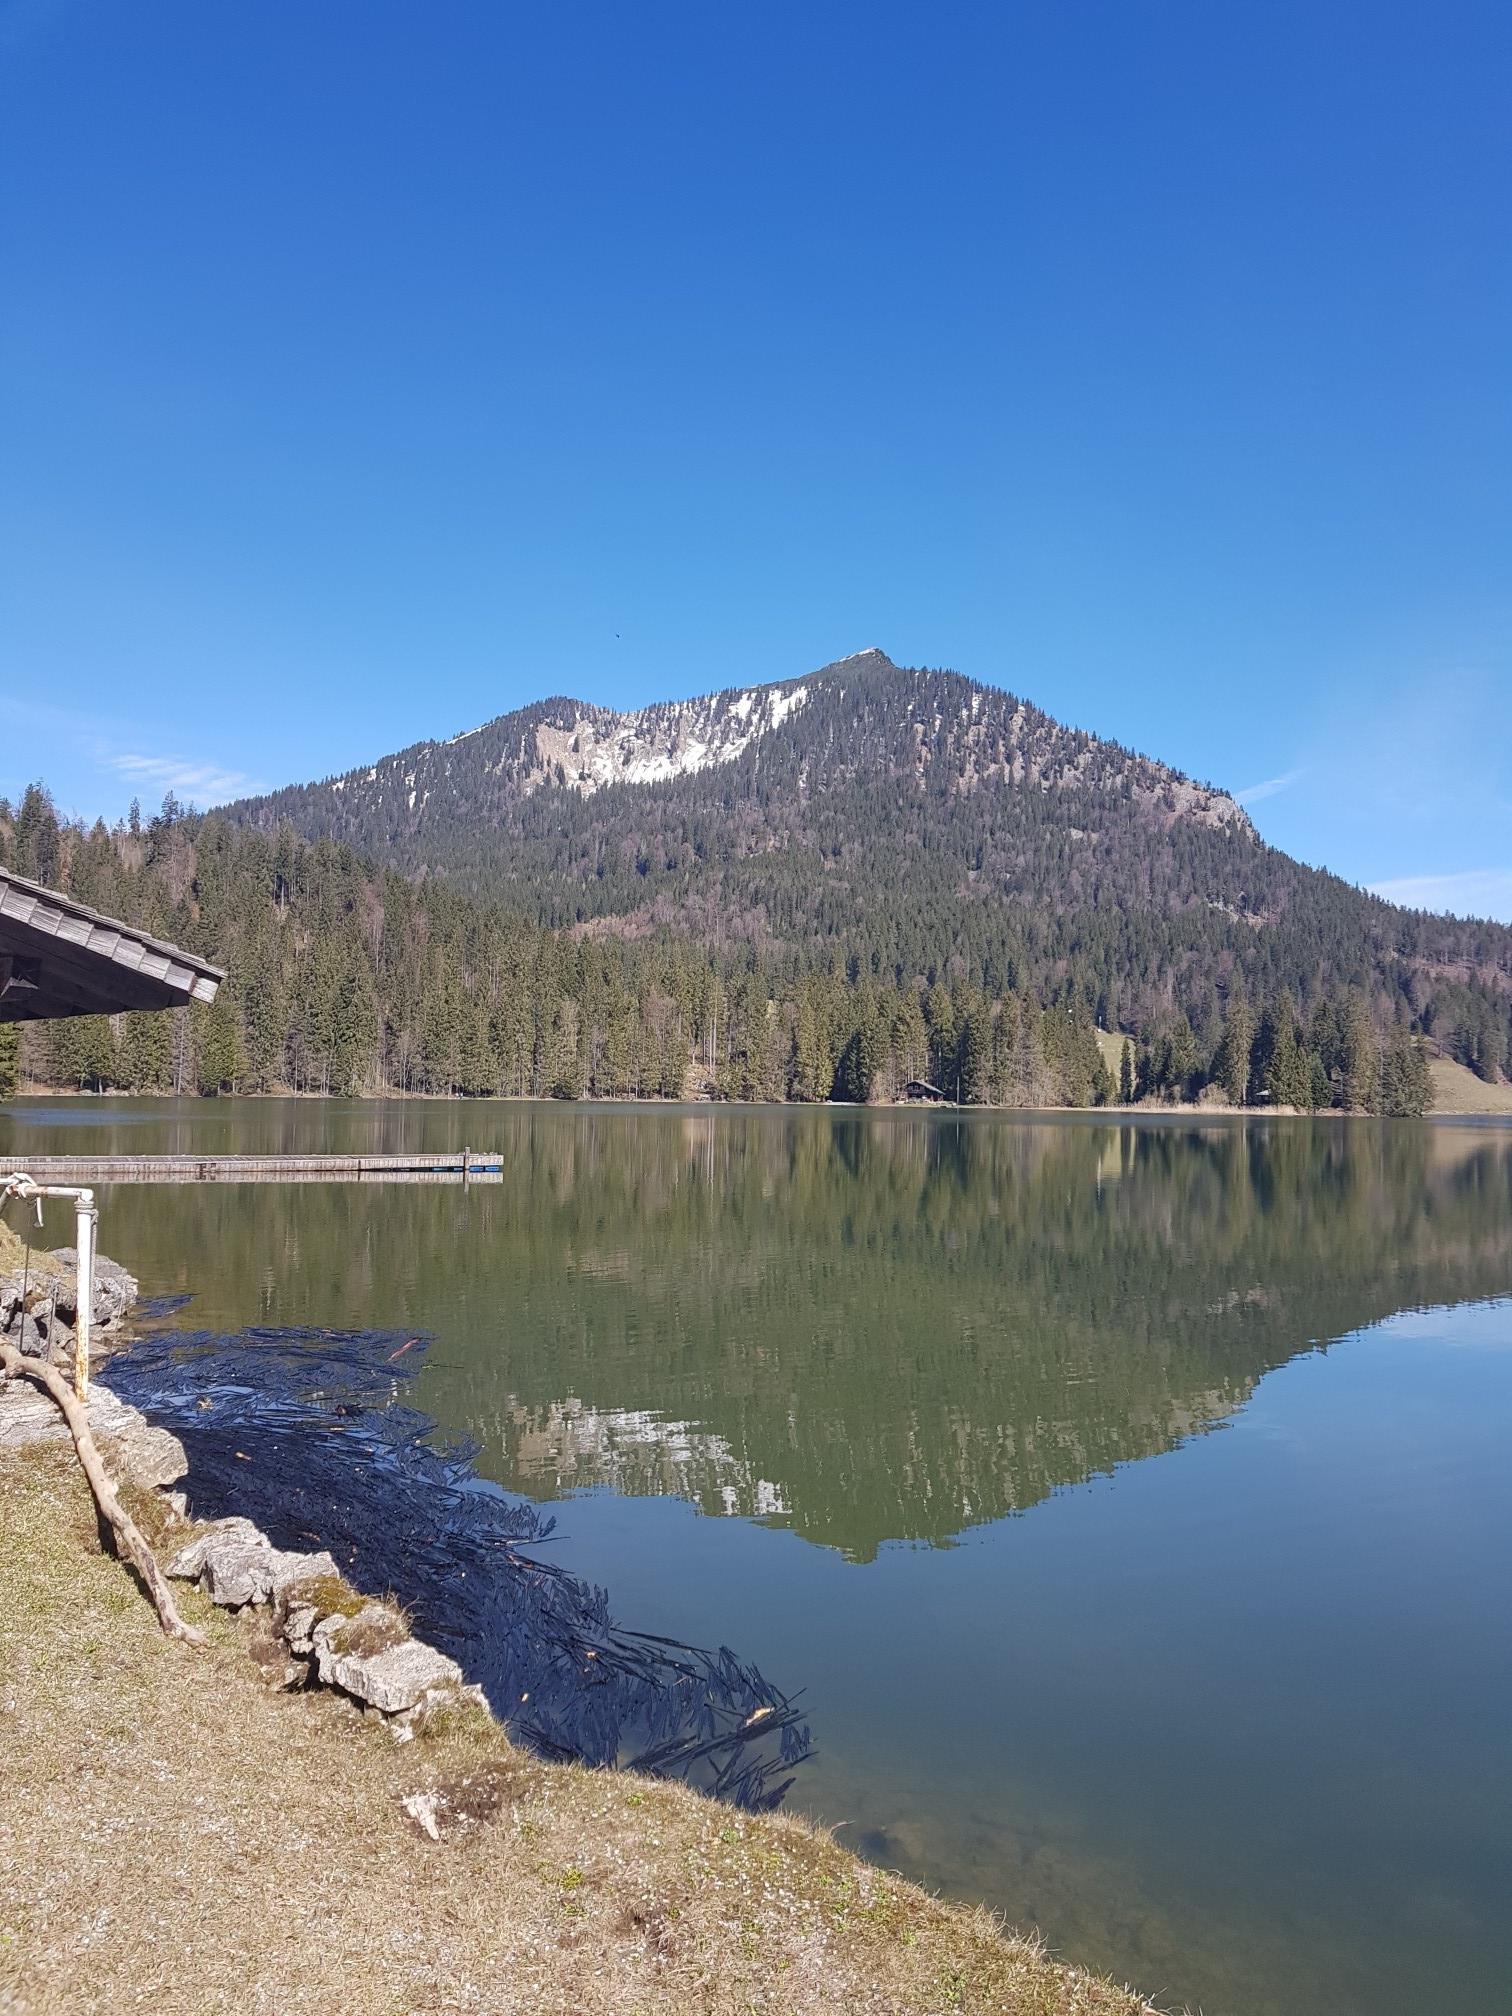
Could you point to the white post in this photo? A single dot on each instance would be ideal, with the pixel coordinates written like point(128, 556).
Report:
point(86, 1217)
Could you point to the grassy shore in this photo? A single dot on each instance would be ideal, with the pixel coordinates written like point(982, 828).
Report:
point(1456, 1090)
point(175, 1836)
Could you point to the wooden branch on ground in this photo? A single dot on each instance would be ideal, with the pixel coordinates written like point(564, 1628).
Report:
point(131, 1543)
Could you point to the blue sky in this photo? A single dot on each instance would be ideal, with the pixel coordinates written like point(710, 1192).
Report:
point(368, 370)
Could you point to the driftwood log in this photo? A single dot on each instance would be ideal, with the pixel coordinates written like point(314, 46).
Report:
point(130, 1541)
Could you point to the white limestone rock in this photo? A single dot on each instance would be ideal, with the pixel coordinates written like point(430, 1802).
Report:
point(235, 1563)
point(188, 1564)
point(235, 1574)
point(394, 1678)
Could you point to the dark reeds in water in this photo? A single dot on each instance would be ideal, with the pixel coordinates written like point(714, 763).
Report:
point(303, 1432)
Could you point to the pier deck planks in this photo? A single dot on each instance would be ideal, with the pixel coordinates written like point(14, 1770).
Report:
point(456, 1166)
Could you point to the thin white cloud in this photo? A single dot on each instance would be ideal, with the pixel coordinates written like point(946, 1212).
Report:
point(1469, 892)
point(206, 783)
point(1253, 793)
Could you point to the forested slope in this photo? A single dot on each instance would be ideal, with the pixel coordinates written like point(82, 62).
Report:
point(347, 978)
point(903, 826)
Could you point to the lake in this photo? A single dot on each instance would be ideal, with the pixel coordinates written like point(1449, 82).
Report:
point(1131, 1501)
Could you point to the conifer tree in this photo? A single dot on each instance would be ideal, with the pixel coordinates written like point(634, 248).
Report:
point(944, 1034)
point(1231, 1066)
point(1284, 1068)
point(1359, 1060)
point(909, 1039)
point(346, 977)
point(1181, 1059)
point(219, 1054)
point(144, 1053)
point(974, 1067)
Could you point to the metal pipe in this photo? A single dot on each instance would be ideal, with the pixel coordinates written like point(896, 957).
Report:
point(86, 1219)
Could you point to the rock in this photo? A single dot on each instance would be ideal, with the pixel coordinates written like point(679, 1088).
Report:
point(235, 1563)
point(236, 1573)
point(278, 1669)
point(189, 1562)
point(60, 1343)
point(28, 1416)
point(411, 1722)
point(28, 1336)
point(150, 1456)
point(425, 1810)
point(298, 1627)
point(31, 1291)
point(154, 1456)
point(114, 1289)
point(39, 1330)
point(395, 1677)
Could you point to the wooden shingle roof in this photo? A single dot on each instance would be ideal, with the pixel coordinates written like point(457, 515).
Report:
point(58, 957)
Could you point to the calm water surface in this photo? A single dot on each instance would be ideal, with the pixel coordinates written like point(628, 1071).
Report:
point(1132, 1501)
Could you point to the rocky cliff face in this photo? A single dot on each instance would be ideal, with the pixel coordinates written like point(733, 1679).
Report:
point(861, 715)
point(585, 748)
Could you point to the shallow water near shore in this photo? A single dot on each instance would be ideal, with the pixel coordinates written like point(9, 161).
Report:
point(1130, 1501)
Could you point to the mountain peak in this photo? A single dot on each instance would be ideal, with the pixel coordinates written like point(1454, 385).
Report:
point(872, 659)
point(948, 754)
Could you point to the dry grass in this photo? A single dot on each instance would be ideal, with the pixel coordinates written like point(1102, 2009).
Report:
point(176, 1837)
point(1458, 1090)
point(1111, 1043)
point(13, 1254)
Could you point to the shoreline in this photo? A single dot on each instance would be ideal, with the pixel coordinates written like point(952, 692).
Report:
point(580, 1890)
point(1499, 1105)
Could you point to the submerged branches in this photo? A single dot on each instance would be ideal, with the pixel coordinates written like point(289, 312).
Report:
point(304, 1432)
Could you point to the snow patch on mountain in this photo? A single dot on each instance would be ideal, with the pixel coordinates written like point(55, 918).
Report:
point(594, 746)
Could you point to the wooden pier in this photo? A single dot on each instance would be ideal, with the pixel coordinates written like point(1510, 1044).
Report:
point(457, 1165)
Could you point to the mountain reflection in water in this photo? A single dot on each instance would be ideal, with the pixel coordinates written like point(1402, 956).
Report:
point(869, 1327)
point(1231, 1724)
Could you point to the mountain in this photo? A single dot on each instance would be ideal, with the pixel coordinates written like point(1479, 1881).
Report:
point(467, 802)
point(867, 883)
point(906, 823)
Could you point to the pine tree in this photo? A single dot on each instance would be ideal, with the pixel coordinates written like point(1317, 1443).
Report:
point(1359, 1060)
point(1406, 1086)
point(346, 977)
point(975, 1053)
point(1126, 1075)
point(1181, 1060)
point(1284, 1066)
point(81, 1052)
point(909, 1040)
point(1231, 1066)
point(944, 1035)
point(144, 1053)
point(219, 1054)
point(10, 1059)
point(1319, 1090)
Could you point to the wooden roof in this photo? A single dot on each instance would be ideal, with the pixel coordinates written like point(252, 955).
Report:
point(58, 957)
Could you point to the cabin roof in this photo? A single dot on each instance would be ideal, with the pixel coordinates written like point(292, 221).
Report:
point(59, 957)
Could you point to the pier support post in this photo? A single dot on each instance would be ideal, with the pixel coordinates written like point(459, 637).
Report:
point(86, 1219)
